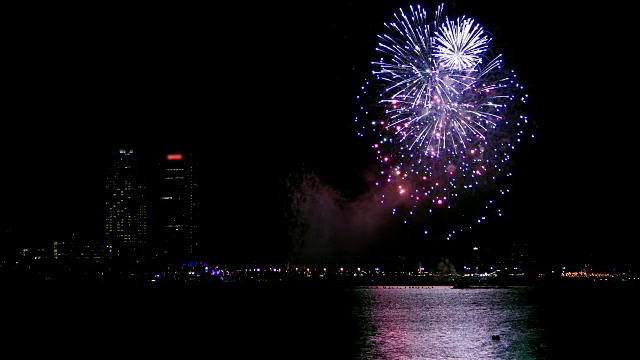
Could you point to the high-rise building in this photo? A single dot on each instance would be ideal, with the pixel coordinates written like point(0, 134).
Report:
point(176, 211)
point(126, 227)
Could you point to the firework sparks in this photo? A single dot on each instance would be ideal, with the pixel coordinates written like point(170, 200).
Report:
point(444, 113)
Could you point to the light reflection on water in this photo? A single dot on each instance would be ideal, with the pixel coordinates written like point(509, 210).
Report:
point(444, 323)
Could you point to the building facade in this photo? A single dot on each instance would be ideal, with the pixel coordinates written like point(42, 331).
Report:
point(176, 210)
point(126, 223)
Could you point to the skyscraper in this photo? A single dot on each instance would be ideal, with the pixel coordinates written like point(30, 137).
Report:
point(176, 212)
point(126, 228)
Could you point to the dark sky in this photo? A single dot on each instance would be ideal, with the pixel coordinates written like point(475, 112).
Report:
point(259, 92)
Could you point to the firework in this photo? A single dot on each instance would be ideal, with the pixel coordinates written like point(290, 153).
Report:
point(445, 114)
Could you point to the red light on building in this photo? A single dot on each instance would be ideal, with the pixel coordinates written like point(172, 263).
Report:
point(174, 156)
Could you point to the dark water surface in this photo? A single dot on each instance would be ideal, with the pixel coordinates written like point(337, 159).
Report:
point(324, 322)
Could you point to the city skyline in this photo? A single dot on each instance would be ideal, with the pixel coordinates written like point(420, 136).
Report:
point(376, 236)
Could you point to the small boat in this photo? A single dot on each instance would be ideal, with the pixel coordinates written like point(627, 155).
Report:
point(461, 285)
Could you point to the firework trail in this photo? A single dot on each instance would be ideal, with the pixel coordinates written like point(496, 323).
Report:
point(443, 113)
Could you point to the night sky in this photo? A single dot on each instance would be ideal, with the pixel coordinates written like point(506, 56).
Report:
point(263, 92)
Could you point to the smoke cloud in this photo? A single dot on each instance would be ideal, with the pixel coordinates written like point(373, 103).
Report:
point(328, 228)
